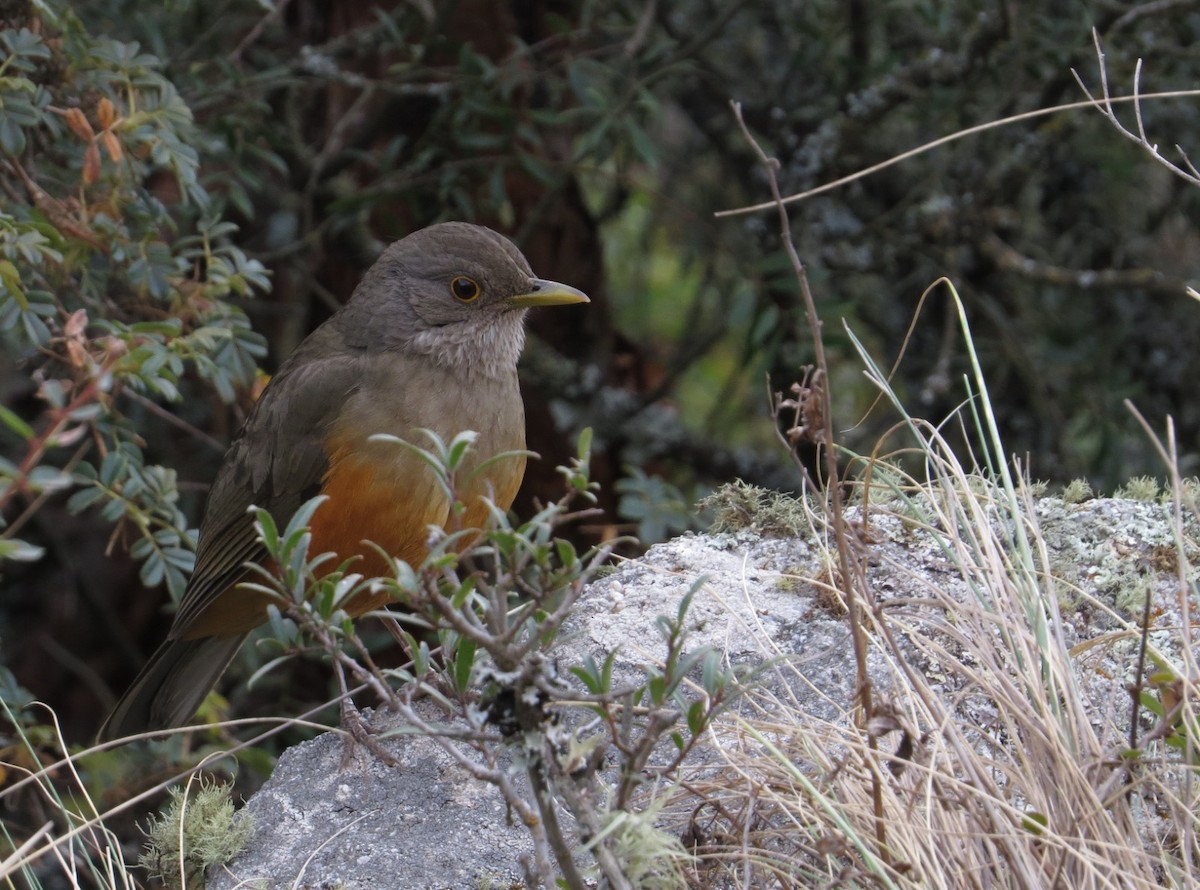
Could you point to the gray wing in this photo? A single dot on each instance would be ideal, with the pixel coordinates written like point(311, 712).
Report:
point(276, 462)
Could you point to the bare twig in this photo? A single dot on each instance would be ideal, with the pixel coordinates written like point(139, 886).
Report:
point(1155, 7)
point(946, 140)
point(1185, 169)
point(174, 420)
point(1006, 257)
point(45, 494)
point(254, 33)
point(851, 584)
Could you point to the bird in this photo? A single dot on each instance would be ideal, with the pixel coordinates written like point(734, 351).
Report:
point(429, 340)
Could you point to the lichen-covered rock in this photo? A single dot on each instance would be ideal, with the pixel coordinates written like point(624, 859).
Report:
point(427, 823)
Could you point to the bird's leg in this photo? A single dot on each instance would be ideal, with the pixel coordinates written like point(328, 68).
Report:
point(351, 720)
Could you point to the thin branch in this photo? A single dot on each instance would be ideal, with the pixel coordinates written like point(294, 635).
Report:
point(1153, 8)
point(1006, 257)
point(852, 585)
point(163, 414)
point(254, 33)
point(946, 140)
point(1187, 171)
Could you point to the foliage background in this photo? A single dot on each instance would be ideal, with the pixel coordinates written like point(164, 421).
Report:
point(264, 153)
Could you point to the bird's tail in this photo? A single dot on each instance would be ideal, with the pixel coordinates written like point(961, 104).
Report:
point(169, 689)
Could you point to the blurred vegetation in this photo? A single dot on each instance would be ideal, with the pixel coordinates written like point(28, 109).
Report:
point(189, 188)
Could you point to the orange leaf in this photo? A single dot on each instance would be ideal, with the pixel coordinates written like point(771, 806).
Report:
point(112, 145)
point(91, 164)
point(79, 125)
point(105, 113)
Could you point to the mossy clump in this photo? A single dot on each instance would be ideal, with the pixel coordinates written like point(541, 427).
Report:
point(1077, 491)
point(1139, 488)
point(213, 832)
point(1133, 593)
point(740, 506)
point(1189, 488)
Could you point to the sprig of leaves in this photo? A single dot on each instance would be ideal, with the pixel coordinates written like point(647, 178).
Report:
point(110, 280)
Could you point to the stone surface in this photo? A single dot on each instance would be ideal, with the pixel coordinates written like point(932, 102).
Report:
point(328, 821)
point(428, 824)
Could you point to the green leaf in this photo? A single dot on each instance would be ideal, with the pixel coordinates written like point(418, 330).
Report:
point(21, 47)
point(565, 551)
point(1035, 823)
point(657, 688)
point(712, 678)
point(302, 518)
point(583, 445)
point(12, 137)
point(84, 498)
point(459, 448)
point(463, 592)
point(152, 569)
point(268, 532)
point(642, 144)
point(1150, 702)
point(464, 662)
point(20, 551)
point(10, 419)
point(10, 277)
point(49, 479)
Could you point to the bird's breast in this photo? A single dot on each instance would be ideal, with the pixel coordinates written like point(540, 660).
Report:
point(385, 493)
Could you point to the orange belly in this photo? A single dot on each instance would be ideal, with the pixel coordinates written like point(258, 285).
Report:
point(392, 504)
point(380, 495)
point(369, 505)
point(365, 505)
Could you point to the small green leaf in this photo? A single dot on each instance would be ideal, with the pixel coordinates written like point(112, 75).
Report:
point(463, 592)
point(464, 662)
point(1150, 702)
point(49, 479)
point(20, 551)
point(421, 655)
point(10, 277)
point(264, 523)
point(459, 447)
point(1035, 823)
point(84, 498)
point(152, 570)
point(10, 419)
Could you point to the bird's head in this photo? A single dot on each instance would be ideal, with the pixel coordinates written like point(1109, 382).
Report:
point(455, 292)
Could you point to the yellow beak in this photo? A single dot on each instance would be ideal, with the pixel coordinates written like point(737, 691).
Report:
point(547, 293)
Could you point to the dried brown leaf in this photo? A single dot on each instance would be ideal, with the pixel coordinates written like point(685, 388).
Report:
point(79, 125)
point(105, 113)
point(76, 324)
point(77, 354)
point(91, 164)
point(112, 145)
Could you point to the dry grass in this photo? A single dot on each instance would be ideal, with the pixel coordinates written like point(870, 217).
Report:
point(995, 768)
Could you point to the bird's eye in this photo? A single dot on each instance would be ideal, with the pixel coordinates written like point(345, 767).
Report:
point(465, 289)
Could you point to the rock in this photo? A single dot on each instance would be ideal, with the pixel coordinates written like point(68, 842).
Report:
point(323, 821)
point(428, 824)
